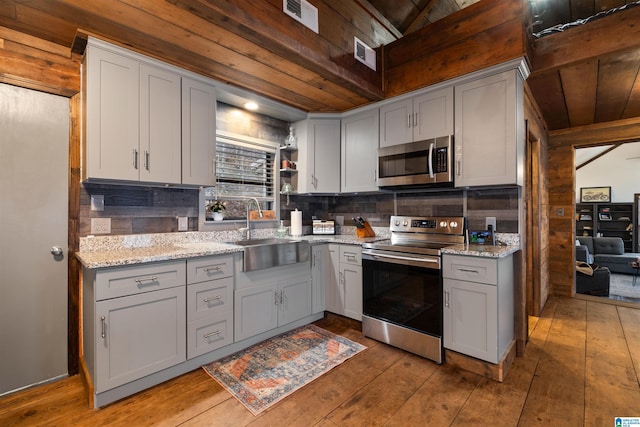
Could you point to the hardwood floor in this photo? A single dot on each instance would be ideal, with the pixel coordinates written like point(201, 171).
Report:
point(581, 367)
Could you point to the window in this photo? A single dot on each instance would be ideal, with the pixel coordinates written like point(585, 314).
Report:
point(245, 167)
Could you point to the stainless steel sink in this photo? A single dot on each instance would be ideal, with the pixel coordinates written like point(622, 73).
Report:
point(266, 253)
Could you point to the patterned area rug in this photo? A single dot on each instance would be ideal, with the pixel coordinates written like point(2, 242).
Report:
point(264, 374)
point(622, 285)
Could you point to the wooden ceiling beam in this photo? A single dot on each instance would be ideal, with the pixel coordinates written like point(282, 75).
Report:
point(416, 24)
point(587, 42)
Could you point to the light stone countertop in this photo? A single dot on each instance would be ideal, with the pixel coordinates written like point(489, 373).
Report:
point(481, 250)
point(111, 251)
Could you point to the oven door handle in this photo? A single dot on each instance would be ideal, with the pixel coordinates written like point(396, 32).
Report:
point(400, 259)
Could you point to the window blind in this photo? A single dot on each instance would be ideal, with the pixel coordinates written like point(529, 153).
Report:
point(245, 169)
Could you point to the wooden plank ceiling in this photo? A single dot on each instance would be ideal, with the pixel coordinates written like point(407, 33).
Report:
point(583, 75)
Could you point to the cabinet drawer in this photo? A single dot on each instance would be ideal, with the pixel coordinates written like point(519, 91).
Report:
point(208, 298)
point(208, 334)
point(130, 280)
point(350, 254)
point(472, 269)
point(209, 268)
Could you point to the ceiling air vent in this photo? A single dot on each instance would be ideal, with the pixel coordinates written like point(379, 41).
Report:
point(303, 12)
point(364, 53)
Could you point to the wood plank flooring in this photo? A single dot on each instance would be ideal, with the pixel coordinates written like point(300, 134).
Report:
point(581, 368)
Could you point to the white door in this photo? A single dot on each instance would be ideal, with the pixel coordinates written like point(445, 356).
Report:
point(34, 156)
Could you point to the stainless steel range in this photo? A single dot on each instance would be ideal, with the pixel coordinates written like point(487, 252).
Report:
point(402, 283)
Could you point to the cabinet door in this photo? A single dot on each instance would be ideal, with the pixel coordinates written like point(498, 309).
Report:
point(470, 319)
point(396, 123)
point(489, 146)
point(319, 276)
point(198, 133)
point(160, 126)
point(139, 335)
point(359, 149)
point(255, 310)
point(325, 134)
point(352, 282)
point(334, 289)
point(434, 112)
point(295, 299)
point(111, 91)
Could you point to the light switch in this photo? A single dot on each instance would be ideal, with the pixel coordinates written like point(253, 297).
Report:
point(97, 203)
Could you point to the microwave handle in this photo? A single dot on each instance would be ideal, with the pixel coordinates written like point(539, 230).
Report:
point(430, 161)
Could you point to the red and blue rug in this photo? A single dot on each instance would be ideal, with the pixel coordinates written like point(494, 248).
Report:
point(264, 374)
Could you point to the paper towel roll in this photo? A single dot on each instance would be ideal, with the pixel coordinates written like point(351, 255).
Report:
point(296, 223)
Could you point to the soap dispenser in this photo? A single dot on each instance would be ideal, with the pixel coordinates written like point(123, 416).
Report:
point(282, 230)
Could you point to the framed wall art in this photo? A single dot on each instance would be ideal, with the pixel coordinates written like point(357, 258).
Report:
point(595, 194)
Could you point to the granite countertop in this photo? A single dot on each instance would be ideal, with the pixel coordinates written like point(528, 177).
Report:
point(481, 250)
point(112, 251)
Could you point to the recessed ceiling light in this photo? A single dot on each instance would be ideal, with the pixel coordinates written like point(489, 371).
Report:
point(251, 106)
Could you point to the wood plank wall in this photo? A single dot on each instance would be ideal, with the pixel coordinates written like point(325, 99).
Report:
point(561, 178)
point(37, 64)
point(486, 33)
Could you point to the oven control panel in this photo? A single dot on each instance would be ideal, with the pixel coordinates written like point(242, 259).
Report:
point(435, 225)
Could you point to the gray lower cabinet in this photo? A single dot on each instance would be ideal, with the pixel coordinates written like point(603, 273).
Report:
point(269, 305)
point(209, 304)
point(134, 321)
point(344, 280)
point(320, 261)
point(478, 313)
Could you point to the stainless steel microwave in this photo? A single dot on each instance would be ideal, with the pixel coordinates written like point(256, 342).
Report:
point(422, 163)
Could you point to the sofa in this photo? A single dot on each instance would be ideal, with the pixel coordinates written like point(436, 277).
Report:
point(605, 252)
point(594, 282)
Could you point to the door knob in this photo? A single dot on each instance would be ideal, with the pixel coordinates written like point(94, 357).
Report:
point(57, 251)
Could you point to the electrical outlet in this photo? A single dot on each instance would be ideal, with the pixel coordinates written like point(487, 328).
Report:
point(183, 223)
point(100, 225)
point(490, 221)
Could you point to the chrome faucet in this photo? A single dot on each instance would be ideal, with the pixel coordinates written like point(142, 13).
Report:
point(260, 214)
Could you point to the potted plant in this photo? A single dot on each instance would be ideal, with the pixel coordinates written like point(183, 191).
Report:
point(217, 208)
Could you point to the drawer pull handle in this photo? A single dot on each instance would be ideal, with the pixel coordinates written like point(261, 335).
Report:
point(446, 298)
point(468, 270)
point(147, 279)
point(210, 334)
point(216, 298)
point(212, 269)
point(103, 326)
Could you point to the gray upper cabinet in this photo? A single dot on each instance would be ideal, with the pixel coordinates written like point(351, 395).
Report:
point(318, 155)
point(489, 134)
point(111, 83)
point(159, 126)
point(359, 151)
point(145, 120)
point(423, 116)
point(198, 133)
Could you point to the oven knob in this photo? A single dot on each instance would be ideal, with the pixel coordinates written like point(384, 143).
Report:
point(405, 223)
point(397, 223)
point(443, 224)
point(453, 224)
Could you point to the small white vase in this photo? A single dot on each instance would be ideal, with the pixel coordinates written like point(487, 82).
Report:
point(218, 216)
